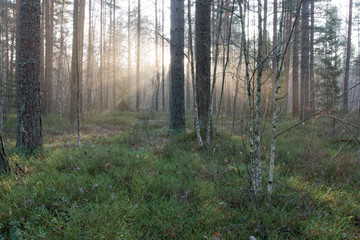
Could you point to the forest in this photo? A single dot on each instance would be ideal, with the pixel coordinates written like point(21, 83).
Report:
point(179, 119)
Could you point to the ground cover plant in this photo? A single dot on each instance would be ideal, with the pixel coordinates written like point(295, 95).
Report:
point(124, 183)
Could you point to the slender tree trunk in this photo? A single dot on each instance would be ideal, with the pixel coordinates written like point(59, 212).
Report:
point(274, 45)
point(138, 46)
point(347, 63)
point(49, 35)
point(312, 72)
point(197, 121)
point(114, 57)
point(162, 57)
point(129, 82)
point(74, 64)
point(257, 163)
point(6, 45)
point(75, 78)
point(203, 55)
point(177, 108)
point(216, 55)
point(89, 62)
point(157, 73)
point(275, 114)
point(295, 78)
point(81, 22)
point(60, 81)
point(101, 58)
point(305, 73)
point(188, 77)
point(29, 118)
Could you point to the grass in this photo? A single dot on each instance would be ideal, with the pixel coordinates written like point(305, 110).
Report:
point(124, 183)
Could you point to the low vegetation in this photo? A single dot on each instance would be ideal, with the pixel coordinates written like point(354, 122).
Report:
point(132, 180)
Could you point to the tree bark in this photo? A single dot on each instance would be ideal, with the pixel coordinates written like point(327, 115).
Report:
point(203, 58)
point(312, 72)
point(177, 107)
point(157, 73)
point(4, 163)
point(138, 46)
point(129, 82)
point(295, 78)
point(89, 63)
point(162, 56)
point(347, 66)
point(49, 36)
point(114, 57)
point(81, 22)
point(101, 105)
point(305, 73)
point(29, 119)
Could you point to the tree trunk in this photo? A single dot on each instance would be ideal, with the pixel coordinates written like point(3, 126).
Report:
point(81, 22)
point(347, 66)
point(157, 73)
point(202, 54)
point(75, 78)
point(197, 122)
point(2, 83)
point(129, 82)
point(114, 57)
point(295, 78)
point(138, 46)
point(6, 46)
point(312, 72)
point(89, 63)
point(74, 64)
point(29, 119)
point(274, 45)
point(49, 35)
point(4, 163)
point(305, 73)
point(43, 84)
point(101, 105)
point(177, 109)
point(162, 57)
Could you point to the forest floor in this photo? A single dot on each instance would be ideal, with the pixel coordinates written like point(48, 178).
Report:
point(129, 181)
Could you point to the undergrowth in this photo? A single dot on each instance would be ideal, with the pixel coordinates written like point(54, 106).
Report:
point(124, 183)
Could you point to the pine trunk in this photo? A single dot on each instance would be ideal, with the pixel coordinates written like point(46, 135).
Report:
point(29, 119)
point(347, 66)
point(177, 105)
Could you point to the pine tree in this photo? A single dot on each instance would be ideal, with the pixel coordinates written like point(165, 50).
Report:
point(29, 119)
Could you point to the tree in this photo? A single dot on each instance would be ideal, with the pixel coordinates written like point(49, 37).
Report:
point(49, 53)
point(162, 56)
point(114, 56)
point(177, 105)
point(2, 83)
point(157, 73)
point(347, 66)
point(75, 78)
point(29, 119)
point(129, 47)
point(138, 45)
point(4, 163)
point(329, 66)
point(295, 77)
point(89, 62)
point(203, 55)
point(305, 68)
point(312, 72)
